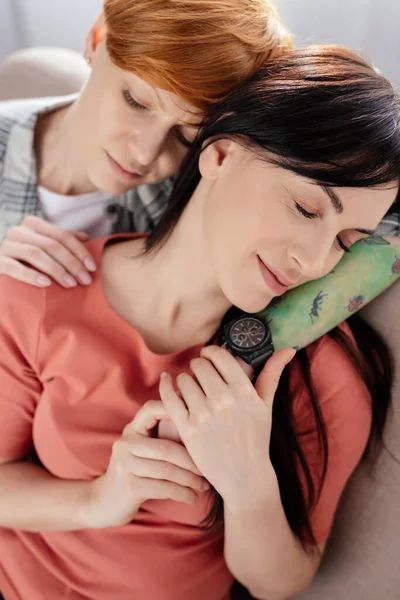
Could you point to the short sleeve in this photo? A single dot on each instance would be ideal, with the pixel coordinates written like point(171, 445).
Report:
point(345, 405)
point(21, 307)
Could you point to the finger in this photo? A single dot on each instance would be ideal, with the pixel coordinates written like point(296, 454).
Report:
point(43, 227)
point(158, 469)
point(147, 418)
point(192, 393)
point(268, 380)
point(167, 430)
point(157, 449)
point(226, 364)
point(173, 403)
point(155, 489)
point(13, 268)
point(40, 260)
point(72, 241)
point(66, 250)
point(208, 377)
point(81, 235)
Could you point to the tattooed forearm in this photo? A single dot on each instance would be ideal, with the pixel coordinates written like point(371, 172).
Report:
point(316, 306)
point(309, 311)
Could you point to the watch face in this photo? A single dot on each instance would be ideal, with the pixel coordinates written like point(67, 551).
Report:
point(247, 333)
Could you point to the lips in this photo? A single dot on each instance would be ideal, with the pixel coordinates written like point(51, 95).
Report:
point(121, 171)
point(274, 280)
point(282, 280)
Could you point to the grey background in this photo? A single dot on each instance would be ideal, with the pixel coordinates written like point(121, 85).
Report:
point(370, 27)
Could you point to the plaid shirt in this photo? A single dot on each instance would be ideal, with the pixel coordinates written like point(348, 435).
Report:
point(138, 209)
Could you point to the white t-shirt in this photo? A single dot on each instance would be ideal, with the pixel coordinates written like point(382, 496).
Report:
point(85, 212)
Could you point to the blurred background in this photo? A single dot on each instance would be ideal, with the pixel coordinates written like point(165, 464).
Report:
point(370, 27)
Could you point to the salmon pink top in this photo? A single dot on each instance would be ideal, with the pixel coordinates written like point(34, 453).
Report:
point(72, 375)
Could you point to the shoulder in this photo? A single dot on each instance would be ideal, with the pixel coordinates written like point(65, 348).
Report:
point(23, 113)
point(18, 120)
point(19, 112)
point(21, 307)
point(21, 109)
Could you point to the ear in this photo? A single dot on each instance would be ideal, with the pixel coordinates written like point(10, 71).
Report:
point(95, 36)
point(213, 159)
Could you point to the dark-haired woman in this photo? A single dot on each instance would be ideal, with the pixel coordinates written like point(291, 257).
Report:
point(280, 180)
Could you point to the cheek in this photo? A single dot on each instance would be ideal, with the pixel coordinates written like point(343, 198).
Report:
point(108, 123)
point(229, 235)
point(170, 160)
point(333, 259)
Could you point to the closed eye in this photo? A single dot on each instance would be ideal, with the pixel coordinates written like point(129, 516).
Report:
point(132, 102)
point(309, 215)
point(305, 212)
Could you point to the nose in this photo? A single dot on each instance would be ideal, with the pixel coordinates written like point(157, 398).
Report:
point(147, 145)
point(314, 258)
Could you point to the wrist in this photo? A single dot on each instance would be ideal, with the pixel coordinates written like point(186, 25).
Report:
point(85, 514)
point(253, 495)
point(101, 509)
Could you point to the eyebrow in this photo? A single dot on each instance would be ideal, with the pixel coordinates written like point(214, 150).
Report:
point(338, 207)
point(334, 198)
point(183, 124)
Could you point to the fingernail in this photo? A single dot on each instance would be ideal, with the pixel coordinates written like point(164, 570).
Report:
point(90, 264)
point(70, 281)
point(84, 278)
point(43, 280)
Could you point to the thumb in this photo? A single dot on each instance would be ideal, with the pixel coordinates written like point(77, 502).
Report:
point(268, 380)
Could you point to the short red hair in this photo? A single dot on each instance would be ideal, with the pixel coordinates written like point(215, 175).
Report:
point(198, 49)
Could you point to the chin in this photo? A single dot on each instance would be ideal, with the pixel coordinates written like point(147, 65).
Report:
point(110, 185)
point(252, 304)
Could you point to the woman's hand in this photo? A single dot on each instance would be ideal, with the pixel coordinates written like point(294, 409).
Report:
point(225, 422)
point(142, 468)
point(52, 252)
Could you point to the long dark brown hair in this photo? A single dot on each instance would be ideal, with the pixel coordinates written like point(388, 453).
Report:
point(325, 114)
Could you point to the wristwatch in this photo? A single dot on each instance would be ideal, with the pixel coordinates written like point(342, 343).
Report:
point(249, 337)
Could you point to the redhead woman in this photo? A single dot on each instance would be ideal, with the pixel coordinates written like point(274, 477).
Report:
point(102, 161)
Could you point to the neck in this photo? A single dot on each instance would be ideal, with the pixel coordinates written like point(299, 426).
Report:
point(180, 302)
point(61, 167)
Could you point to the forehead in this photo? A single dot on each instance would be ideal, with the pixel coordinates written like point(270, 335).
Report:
point(167, 102)
point(385, 193)
point(355, 207)
point(352, 205)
